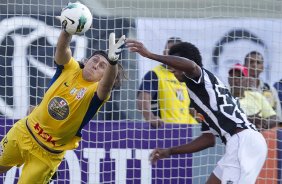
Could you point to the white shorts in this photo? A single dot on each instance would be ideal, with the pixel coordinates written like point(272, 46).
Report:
point(243, 160)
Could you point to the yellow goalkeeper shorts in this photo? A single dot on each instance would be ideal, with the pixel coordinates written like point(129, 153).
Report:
point(18, 147)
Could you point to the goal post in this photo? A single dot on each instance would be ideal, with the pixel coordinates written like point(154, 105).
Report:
point(116, 144)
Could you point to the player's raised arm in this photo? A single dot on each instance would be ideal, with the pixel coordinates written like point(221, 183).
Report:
point(191, 69)
point(75, 18)
point(144, 105)
point(109, 77)
point(202, 142)
point(63, 51)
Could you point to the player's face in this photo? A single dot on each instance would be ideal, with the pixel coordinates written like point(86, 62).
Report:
point(255, 65)
point(95, 67)
point(235, 82)
point(177, 73)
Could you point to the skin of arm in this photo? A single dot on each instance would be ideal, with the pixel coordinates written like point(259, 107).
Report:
point(63, 52)
point(107, 82)
point(204, 141)
point(191, 69)
point(144, 105)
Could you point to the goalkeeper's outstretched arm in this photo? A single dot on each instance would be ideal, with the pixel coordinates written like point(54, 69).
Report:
point(109, 77)
point(63, 52)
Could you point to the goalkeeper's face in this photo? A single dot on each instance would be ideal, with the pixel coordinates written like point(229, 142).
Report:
point(95, 67)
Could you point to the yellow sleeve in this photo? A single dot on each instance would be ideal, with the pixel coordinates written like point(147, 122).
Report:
point(266, 108)
point(72, 64)
point(248, 107)
point(255, 102)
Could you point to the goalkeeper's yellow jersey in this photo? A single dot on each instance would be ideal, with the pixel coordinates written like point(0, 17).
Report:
point(69, 103)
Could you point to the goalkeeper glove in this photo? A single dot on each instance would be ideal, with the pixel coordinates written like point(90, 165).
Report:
point(115, 48)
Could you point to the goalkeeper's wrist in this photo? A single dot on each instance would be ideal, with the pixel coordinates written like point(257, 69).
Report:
point(112, 62)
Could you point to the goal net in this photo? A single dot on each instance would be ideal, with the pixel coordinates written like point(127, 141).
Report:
point(116, 144)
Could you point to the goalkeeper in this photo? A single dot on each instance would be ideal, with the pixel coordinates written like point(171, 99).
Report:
point(246, 148)
point(76, 92)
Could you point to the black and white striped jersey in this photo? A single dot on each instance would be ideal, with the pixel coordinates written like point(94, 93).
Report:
point(222, 112)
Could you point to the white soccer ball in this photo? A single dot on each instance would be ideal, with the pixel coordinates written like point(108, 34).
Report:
point(76, 18)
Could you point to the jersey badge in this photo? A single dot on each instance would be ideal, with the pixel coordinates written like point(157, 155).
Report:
point(179, 94)
point(58, 108)
point(73, 91)
point(81, 93)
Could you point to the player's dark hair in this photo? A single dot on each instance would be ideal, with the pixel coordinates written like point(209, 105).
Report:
point(187, 50)
point(248, 56)
point(100, 52)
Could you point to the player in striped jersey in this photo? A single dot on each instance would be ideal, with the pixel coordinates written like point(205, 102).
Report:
point(246, 149)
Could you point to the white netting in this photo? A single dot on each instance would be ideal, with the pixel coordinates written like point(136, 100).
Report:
point(115, 148)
